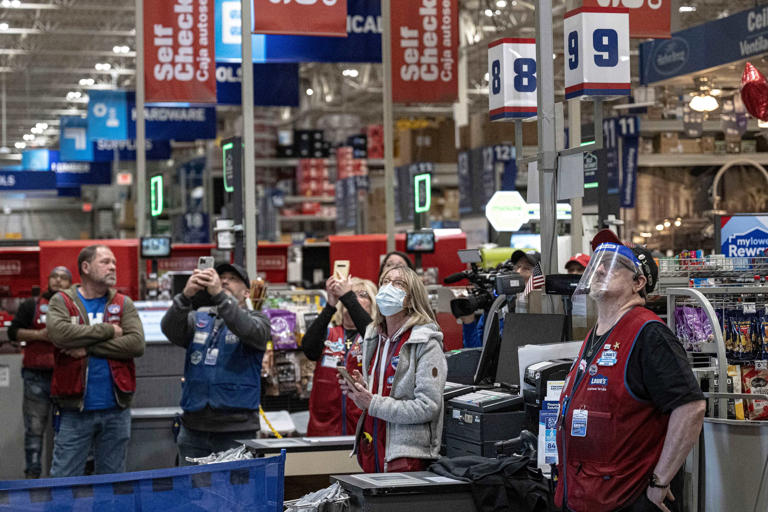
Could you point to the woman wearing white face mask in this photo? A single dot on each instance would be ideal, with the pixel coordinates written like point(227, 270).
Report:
point(401, 387)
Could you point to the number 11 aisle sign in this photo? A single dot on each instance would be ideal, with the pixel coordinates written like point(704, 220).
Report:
point(512, 78)
point(596, 42)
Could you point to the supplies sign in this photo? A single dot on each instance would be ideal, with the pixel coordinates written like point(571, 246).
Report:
point(300, 17)
point(179, 51)
point(425, 43)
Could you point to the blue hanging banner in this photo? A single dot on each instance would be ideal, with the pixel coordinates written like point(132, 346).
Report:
point(104, 150)
point(74, 145)
point(629, 151)
point(739, 36)
point(39, 159)
point(174, 122)
point(362, 44)
point(27, 180)
point(107, 115)
point(74, 174)
point(274, 85)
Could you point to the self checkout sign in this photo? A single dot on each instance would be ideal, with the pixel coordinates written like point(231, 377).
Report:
point(596, 42)
point(512, 78)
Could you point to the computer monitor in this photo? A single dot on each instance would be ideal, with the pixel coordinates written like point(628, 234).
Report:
point(420, 241)
point(155, 246)
point(498, 361)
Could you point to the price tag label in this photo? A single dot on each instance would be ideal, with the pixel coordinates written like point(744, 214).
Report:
point(512, 78)
point(596, 42)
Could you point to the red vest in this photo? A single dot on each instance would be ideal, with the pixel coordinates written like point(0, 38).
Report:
point(69, 373)
point(330, 412)
point(372, 453)
point(610, 465)
point(39, 354)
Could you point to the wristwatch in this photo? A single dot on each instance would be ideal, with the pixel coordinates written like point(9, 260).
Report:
point(654, 482)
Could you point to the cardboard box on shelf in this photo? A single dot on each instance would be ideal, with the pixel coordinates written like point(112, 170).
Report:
point(733, 146)
point(654, 113)
point(484, 132)
point(707, 144)
point(720, 147)
point(689, 145)
point(667, 142)
point(432, 144)
point(645, 145)
point(749, 146)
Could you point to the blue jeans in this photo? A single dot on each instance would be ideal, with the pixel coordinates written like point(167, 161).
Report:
point(107, 432)
point(36, 409)
point(196, 443)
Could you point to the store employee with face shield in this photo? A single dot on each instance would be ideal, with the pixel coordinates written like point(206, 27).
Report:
point(631, 408)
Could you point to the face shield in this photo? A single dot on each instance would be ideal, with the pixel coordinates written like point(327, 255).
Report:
point(607, 263)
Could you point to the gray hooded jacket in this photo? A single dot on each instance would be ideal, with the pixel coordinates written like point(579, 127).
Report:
point(414, 409)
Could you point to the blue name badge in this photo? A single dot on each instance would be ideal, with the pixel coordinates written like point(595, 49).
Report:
point(607, 358)
point(579, 423)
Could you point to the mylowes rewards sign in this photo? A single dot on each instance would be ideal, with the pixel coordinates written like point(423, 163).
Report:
point(647, 18)
point(744, 236)
point(425, 43)
point(300, 17)
point(740, 36)
point(179, 51)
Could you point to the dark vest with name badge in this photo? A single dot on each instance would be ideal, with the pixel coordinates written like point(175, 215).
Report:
point(38, 355)
point(608, 453)
point(219, 371)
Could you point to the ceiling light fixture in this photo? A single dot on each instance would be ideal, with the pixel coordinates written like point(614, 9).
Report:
point(716, 92)
point(497, 12)
point(87, 82)
point(352, 73)
point(705, 103)
point(678, 222)
point(4, 26)
point(488, 13)
point(74, 95)
point(501, 4)
point(36, 130)
point(310, 92)
point(667, 223)
point(20, 145)
point(646, 234)
point(103, 66)
point(28, 137)
point(687, 8)
point(477, 37)
point(659, 227)
point(42, 126)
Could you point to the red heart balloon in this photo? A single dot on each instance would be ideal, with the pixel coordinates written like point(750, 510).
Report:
point(754, 92)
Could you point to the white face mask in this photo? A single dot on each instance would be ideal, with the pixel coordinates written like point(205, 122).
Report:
point(390, 300)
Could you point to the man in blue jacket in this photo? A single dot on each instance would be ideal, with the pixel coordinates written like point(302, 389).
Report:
point(225, 345)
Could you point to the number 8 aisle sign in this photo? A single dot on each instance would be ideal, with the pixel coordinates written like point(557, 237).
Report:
point(596, 42)
point(512, 78)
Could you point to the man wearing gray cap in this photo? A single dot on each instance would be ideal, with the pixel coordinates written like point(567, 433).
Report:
point(37, 366)
point(225, 345)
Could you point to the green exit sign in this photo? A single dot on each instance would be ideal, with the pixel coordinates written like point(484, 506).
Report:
point(156, 195)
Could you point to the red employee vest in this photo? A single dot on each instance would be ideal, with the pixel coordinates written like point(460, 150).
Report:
point(372, 452)
point(608, 462)
point(39, 354)
point(69, 373)
point(330, 412)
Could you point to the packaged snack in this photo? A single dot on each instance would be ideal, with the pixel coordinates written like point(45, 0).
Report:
point(283, 325)
point(725, 318)
point(681, 328)
point(694, 328)
point(735, 407)
point(762, 335)
point(755, 381)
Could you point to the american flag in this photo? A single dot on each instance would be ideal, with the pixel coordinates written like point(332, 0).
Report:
point(535, 282)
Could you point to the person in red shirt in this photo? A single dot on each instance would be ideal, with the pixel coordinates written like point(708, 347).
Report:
point(350, 305)
point(400, 389)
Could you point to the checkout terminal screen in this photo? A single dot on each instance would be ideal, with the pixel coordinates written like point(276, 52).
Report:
point(151, 313)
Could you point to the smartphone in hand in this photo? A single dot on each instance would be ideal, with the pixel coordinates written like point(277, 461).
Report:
point(205, 262)
point(347, 377)
point(341, 269)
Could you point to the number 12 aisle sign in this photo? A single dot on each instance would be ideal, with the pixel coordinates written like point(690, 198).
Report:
point(512, 78)
point(596, 42)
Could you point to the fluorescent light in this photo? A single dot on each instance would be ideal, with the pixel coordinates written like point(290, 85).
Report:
point(497, 12)
point(687, 8)
point(20, 145)
point(646, 234)
point(310, 92)
point(678, 223)
point(353, 73)
point(501, 4)
point(42, 126)
point(36, 130)
point(659, 227)
point(3, 26)
point(667, 223)
point(28, 137)
point(87, 82)
point(488, 13)
point(103, 66)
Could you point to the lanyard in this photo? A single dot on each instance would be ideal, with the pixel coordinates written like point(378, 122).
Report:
point(382, 368)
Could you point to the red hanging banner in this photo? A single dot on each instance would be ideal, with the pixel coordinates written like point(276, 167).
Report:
point(425, 46)
point(179, 59)
point(300, 17)
point(647, 18)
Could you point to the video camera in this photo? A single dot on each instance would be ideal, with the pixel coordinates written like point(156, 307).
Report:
point(486, 286)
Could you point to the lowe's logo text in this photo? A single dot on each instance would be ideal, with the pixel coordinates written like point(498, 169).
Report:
point(671, 56)
point(598, 380)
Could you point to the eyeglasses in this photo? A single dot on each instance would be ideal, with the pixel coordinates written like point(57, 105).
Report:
point(362, 294)
point(397, 283)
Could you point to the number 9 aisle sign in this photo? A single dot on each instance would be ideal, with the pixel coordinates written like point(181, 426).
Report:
point(596, 43)
point(512, 78)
